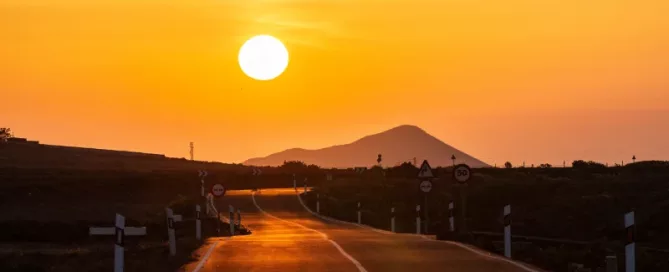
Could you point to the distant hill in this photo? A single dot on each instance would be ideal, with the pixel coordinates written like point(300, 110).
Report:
point(397, 145)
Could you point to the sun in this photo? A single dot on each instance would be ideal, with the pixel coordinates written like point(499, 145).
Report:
point(263, 57)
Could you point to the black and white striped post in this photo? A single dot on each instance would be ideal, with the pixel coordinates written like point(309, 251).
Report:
point(417, 219)
point(507, 231)
point(392, 219)
point(170, 231)
point(118, 243)
point(232, 220)
point(318, 203)
point(451, 220)
point(630, 243)
point(119, 231)
point(198, 223)
point(359, 214)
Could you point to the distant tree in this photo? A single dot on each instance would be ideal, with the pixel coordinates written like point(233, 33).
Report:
point(5, 133)
point(508, 165)
point(545, 165)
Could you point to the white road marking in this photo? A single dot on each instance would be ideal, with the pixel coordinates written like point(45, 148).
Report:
point(206, 256)
point(476, 251)
point(325, 236)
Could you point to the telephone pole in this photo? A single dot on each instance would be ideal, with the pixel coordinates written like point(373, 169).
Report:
point(192, 150)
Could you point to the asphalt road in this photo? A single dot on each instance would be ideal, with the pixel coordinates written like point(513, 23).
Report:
point(287, 237)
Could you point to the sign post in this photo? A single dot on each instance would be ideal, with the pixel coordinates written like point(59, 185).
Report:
point(425, 174)
point(462, 173)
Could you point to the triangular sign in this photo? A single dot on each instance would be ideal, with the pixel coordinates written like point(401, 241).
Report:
point(425, 170)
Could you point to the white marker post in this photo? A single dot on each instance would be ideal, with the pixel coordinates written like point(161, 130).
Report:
point(507, 231)
point(118, 244)
point(359, 214)
point(198, 223)
point(392, 219)
point(232, 220)
point(451, 220)
point(170, 231)
point(417, 219)
point(630, 243)
point(318, 203)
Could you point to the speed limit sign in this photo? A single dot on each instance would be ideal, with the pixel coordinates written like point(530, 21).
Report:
point(462, 173)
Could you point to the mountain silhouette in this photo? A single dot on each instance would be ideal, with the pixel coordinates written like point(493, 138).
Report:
point(397, 145)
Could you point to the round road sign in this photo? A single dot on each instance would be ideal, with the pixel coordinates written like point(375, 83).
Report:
point(462, 173)
point(426, 186)
point(217, 190)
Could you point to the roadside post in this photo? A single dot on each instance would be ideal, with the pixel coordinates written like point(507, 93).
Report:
point(318, 203)
point(305, 185)
point(359, 214)
point(202, 174)
point(294, 183)
point(198, 223)
point(417, 219)
point(507, 231)
point(630, 243)
point(119, 231)
point(170, 231)
point(232, 220)
point(451, 220)
point(239, 219)
point(392, 219)
point(425, 174)
point(462, 173)
point(217, 191)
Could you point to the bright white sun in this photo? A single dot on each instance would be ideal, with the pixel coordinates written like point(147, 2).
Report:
point(263, 57)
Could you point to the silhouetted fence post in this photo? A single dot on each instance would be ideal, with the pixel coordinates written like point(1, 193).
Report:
point(507, 231)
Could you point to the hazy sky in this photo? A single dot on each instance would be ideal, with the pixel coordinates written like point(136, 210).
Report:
point(540, 81)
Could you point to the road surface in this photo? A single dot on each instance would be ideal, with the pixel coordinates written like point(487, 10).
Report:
point(287, 237)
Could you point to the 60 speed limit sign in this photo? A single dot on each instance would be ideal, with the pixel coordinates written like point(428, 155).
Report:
point(462, 173)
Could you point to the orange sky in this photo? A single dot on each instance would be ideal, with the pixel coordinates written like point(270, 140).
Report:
point(540, 81)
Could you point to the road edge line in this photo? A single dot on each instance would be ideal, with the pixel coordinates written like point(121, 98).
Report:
point(206, 256)
point(325, 236)
point(476, 251)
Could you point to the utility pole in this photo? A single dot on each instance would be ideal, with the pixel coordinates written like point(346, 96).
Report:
point(192, 150)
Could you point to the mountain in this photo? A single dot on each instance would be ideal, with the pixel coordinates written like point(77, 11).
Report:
point(397, 145)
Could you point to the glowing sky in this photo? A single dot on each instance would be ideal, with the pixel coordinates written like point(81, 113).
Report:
point(540, 81)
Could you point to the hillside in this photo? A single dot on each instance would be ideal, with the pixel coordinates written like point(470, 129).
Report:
point(400, 144)
point(21, 153)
